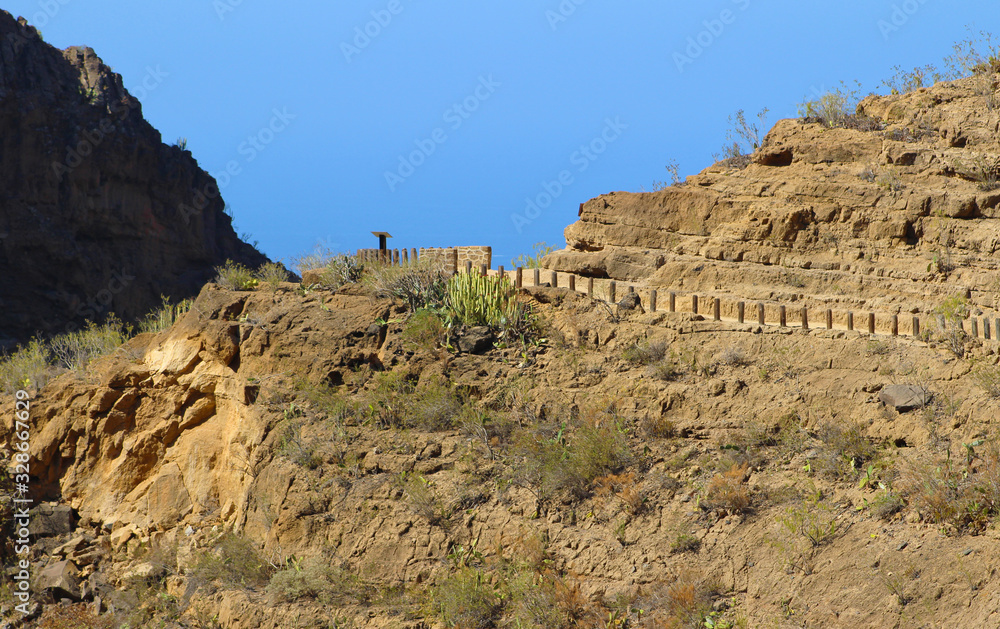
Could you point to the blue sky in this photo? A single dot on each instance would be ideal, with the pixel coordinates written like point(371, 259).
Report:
point(438, 122)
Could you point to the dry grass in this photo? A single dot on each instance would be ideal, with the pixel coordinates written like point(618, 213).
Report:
point(728, 491)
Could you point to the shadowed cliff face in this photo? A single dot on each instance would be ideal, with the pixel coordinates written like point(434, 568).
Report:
point(97, 214)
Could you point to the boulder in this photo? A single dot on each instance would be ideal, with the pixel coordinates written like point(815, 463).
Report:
point(51, 520)
point(59, 579)
point(476, 340)
point(905, 397)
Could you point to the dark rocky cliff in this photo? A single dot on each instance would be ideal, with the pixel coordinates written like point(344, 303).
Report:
point(97, 214)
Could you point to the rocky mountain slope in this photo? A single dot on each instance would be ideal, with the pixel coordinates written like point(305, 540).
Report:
point(310, 458)
point(97, 214)
point(896, 210)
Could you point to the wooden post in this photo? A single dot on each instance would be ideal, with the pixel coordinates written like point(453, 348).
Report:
point(986, 328)
point(916, 327)
point(975, 328)
point(782, 316)
point(760, 313)
point(590, 287)
point(484, 270)
point(673, 302)
point(538, 277)
point(895, 325)
point(395, 257)
point(414, 257)
point(468, 267)
point(406, 258)
point(612, 291)
point(652, 301)
point(741, 312)
point(519, 277)
point(572, 283)
point(850, 321)
point(694, 304)
point(500, 272)
point(805, 318)
point(717, 309)
point(871, 323)
point(555, 280)
point(454, 259)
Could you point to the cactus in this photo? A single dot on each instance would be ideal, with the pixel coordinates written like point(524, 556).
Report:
point(472, 299)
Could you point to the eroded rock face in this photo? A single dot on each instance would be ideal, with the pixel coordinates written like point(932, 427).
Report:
point(892, 218)
point(97, 214)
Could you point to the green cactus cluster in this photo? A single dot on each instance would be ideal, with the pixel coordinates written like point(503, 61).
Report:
point(472, 299)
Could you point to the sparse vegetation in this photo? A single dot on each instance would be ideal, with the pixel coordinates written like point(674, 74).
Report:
point(728, 491)
point(271, 274)
point(315, 579)
point(420, 285)
point(76, 350)
point(534, 259)
point(235, 276)
point(743, 138)
point(232, 561)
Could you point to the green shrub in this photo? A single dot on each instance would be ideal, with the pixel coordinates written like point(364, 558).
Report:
point(988, 378)
point(846, 452)
point(235, 276)
point(25, 368)
point(965, 496)
point(161, 319)
point(232, 561)
point(468, 600)
point(950, 316)
point(419, 285)
point(685, 543)
point(315, 579)
point(435, 406)
point(813, 521)
point(76, 350)
point(424, 330)
point(645, 353)
point(388, 397)
point(838, 108)
point(271, 274)
point(540, 250)
point(570, 460)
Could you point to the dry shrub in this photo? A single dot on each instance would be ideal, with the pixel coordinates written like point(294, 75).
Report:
point(728, 491)
point(74, 617)
point(315, 579)
point(845, 452)
point(645, 353)
point(683, 604)
point(569, 460)
point(962, 495)
point(625, 487)
point(468, 600)
point(435, 406)
point(659, 427)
